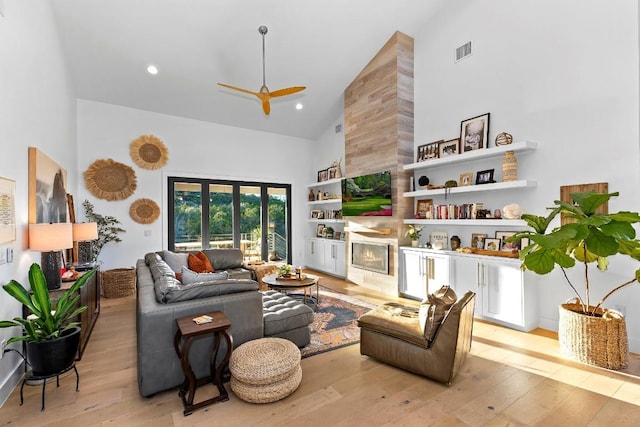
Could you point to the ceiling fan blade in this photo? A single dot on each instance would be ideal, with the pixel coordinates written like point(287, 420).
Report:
point(266, 106)
point(239, 89)
point(286, 91)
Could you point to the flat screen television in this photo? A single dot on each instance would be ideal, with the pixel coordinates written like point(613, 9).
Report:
point(367, 195)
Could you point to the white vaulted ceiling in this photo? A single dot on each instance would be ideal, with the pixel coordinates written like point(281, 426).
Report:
point(322, 45)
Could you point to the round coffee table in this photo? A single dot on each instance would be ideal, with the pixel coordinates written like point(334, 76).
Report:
point(283, 284)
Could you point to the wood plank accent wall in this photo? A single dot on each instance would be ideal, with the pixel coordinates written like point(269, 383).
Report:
point(378, 109)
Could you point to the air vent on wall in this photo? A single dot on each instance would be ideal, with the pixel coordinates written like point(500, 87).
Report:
point(339, 128)
point(463, 51)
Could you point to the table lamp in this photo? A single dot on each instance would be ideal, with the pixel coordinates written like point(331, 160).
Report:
point(50, 239)
point(84, 233)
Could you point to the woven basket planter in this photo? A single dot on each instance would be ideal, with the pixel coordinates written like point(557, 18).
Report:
point(599, 340)
point(118, 282)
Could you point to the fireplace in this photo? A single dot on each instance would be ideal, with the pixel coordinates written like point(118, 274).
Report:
point(370, 256)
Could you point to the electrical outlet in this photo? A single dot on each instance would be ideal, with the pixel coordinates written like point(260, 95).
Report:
point(3, 345)
point(9, 254)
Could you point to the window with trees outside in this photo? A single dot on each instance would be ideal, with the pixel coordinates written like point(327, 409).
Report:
point(252, 216)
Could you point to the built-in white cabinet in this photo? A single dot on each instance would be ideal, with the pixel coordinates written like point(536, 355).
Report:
point(422, 272)
point(326, 255)
point(504, 293)
point(325, 211)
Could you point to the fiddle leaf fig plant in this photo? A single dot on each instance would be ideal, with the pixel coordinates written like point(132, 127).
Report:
point(588, 238)
point(46, 322)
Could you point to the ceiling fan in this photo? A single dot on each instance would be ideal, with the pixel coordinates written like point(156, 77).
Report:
point(264, 95)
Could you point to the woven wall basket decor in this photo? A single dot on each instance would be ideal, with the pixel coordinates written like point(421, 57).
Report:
point(110, 180)
point(144, 211)
point(149, 152)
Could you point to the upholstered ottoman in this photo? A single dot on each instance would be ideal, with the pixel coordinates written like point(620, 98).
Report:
point(286, 317)
point(265, 370)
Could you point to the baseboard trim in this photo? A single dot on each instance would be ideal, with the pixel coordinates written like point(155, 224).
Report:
point(11, 382)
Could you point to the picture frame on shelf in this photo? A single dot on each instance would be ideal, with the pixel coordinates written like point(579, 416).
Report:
point(466, 179)
point(320, 230)
point(317, 214)
point(491, 244)
point(449, 148)
point(507, 246)
point(484, 177)
point(428, 151)
point(337, 235)
point(474, 133)
point(423, 207)
point(439, 240)
point(332, 172)
point(322, 175)
point(477, 240)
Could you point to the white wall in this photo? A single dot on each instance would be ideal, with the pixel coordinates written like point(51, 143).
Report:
point(196, 148)
point(562, 74)
point(37, 108)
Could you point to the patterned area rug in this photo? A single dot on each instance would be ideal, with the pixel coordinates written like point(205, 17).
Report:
point(336, 322)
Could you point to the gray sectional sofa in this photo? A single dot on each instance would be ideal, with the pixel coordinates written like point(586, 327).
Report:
point(161, 299)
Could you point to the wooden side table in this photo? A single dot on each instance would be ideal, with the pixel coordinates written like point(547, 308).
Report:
point(187, 330)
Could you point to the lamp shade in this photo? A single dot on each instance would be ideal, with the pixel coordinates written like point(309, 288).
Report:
point(50, 237)
point(85, 231)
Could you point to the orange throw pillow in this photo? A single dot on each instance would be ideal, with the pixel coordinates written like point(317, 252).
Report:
point(199, 263)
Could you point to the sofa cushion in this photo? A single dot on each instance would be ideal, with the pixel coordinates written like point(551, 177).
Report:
point(151, 257)
point(176, 260)
point(169, 289)
point(222, 259)
point(190, 276)
point(433, 310)
point(396, 320)
point(159, 268)
point(199, 263)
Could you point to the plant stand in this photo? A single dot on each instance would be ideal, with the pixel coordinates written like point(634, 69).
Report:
point(30, 376)
point(599, 340)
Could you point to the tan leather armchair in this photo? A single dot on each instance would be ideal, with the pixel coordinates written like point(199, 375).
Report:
point(392, 334)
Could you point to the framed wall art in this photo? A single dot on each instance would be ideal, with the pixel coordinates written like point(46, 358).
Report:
point(449, 148)
point(47, 189)
point(7, 210)
point(323, 175)
point(474, 133)
point(565, 196)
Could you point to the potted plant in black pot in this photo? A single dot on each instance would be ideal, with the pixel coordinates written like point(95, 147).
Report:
point(50, 334)
point(586, 331)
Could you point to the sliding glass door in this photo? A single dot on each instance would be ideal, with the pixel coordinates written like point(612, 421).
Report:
point(252, 216)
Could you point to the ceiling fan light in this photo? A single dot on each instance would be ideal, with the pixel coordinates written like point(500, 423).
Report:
point(299, 106)
point(152, 69)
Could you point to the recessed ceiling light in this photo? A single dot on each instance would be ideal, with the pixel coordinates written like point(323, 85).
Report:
point(152, 69)
point(299, 106)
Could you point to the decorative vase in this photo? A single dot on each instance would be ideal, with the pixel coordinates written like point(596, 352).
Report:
point(599, 340)
point(414, 243)
point(509, 167)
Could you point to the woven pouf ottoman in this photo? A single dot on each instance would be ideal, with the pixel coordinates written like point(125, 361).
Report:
point(265, 370)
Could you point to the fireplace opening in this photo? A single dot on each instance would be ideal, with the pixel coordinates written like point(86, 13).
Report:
point(370, 256)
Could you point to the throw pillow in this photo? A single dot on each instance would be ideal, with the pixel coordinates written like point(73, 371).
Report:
point(176, 260)
point(433, 310)
point(190, 276)
point(199, 263)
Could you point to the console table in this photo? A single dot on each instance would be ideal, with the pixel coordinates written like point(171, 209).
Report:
point(89, 296)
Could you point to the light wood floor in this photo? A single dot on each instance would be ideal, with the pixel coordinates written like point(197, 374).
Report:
point(510, 379)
